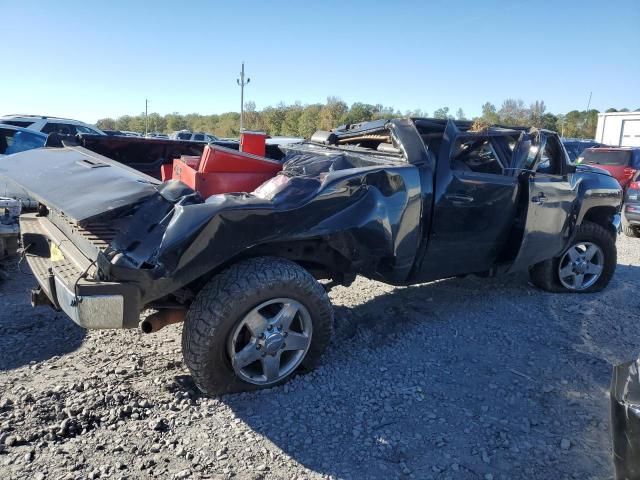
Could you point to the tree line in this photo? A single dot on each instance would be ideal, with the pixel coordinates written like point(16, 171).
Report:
point(299, 120)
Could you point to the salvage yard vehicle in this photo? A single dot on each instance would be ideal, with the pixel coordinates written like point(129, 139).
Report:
point(13, 140)
point(16, 139)
point(45, 124)
point(621, 162)
point(399, 201)
point(631, 211)
point(193, 136)
point(575, 146)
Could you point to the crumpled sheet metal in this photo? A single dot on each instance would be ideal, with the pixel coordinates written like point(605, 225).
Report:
point(625, 420)
point(364, 212)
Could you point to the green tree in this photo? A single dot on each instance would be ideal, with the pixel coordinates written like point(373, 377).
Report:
point(332, 113)
point(157, 123)
point(513, 112)
point(122, 123)
point(490, 114)
point(136, 124)
point(106, 124)
point(536, 113)
point(309, 121)
point(228, 125)
point(441, 113)
point(359, 112)
point(549, 121)
point(252, 118)
point(417, 113)
point(273, 118)
point(175, 122)
point(588, 127)
point(460, 114)
point(291, 124)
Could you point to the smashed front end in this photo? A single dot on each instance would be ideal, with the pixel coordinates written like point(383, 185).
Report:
point(107, 241)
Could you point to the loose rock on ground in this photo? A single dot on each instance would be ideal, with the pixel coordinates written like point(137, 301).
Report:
point(462, 378)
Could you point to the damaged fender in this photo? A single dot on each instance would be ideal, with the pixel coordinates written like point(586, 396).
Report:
point(367, 217)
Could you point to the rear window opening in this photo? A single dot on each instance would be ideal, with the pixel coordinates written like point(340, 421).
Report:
point(17, 123)
point(620, 158)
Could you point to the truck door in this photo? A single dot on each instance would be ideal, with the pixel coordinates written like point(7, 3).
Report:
point(550, 196)
point(474, 205)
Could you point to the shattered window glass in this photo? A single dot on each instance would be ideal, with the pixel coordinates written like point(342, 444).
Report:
point(476, 155)
point(551, 157)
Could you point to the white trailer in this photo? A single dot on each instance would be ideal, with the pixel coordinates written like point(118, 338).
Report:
point(619, 129)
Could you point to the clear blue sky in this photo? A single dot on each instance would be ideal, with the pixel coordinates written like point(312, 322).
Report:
point(89, 60)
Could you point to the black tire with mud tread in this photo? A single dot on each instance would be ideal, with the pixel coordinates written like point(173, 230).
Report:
point(227, 298)
point(544, 275)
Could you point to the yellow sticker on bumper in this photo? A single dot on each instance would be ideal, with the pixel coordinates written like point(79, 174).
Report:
point(56, 254)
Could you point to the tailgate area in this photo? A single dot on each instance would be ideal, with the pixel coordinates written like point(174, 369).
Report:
point(67, 277)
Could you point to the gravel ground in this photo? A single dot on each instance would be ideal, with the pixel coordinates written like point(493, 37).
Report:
point(463, 378)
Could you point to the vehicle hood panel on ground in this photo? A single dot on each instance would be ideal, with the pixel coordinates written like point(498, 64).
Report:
point(77, 182)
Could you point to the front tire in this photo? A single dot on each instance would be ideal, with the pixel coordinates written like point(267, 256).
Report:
point(586, 266)
point(254, 325)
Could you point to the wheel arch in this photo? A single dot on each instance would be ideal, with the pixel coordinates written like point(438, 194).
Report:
point(317, 256)
point(602, 215)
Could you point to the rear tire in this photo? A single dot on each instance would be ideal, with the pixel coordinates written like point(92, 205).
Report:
point(221, 321)
point(546, 275)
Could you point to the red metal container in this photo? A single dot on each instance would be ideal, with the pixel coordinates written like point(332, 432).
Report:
point(223, 170)
point(253, 142)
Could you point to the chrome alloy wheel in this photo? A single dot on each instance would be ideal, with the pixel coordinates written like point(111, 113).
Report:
point(581, 266)
point(271, 341)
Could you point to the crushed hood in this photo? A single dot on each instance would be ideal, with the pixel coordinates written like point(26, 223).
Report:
point(77, 182)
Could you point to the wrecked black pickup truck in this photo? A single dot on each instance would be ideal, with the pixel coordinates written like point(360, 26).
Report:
point(402, 201)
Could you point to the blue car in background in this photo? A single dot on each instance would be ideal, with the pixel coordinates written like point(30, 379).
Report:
point(575, 146)
point(14, 140)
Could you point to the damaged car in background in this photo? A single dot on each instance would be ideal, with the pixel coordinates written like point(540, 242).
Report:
point(402, 201)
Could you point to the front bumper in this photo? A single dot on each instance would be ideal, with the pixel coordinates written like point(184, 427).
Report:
point(65, 278)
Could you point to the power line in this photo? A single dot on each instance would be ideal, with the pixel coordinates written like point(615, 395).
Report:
point(242, 83)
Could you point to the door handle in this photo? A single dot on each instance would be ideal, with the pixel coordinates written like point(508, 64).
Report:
point(539, 199)
point(457, 198)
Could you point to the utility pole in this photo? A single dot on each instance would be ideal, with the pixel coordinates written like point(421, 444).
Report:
point(146, 116)
point(589, 102)
point(242, 83)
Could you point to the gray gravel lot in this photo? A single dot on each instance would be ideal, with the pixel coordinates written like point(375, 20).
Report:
point(462, 378)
